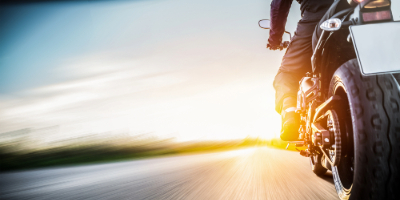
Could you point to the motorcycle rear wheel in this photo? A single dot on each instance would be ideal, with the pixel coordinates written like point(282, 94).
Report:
point(369, 116)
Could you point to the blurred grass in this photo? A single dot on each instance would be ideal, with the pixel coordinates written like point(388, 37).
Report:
point(99, 153)
point(86, 154)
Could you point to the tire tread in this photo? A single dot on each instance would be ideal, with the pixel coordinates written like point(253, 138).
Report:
point(375, 131)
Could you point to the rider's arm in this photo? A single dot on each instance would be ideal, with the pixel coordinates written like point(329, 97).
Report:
point(279, 12)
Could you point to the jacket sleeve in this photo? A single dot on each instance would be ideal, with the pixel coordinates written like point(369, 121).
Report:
point(279, 12)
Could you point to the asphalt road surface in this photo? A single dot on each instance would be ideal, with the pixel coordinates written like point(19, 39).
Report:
point(255, 173)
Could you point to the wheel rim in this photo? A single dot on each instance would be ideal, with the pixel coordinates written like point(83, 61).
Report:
point(334, 129)
point(344, 171)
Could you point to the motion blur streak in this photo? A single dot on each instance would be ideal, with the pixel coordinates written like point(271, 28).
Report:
point(178, 69)
point(256, 173)
point(182, 69)
point(94, 81)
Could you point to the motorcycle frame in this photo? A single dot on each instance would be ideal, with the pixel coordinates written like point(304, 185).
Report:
point(312, 99)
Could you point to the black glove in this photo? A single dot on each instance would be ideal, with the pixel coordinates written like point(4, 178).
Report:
point(274, 47)
point(279, 47)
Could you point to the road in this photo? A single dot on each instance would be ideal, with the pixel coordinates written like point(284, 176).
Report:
point(254, 173)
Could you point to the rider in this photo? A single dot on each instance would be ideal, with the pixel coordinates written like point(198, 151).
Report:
point(297, 59)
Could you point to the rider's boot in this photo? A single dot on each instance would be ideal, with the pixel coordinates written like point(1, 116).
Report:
point(290, 122)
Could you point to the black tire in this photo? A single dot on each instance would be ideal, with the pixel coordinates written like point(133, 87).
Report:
point(371, 135)
point(316, 166)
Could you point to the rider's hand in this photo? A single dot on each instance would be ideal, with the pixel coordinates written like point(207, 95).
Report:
point(274, 47)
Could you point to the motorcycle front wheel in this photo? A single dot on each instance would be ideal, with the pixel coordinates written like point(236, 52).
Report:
point(369, 118)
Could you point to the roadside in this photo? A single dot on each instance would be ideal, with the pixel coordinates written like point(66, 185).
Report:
point(89, 154)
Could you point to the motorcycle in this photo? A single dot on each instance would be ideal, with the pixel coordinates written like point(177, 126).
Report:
point(349, 105)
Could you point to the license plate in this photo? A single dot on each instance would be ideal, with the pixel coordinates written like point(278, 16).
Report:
point(377, 47)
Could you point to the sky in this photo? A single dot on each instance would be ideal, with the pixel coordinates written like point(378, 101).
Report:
point(183, 69)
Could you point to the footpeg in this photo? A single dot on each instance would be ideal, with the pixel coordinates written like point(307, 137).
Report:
point(297, 143)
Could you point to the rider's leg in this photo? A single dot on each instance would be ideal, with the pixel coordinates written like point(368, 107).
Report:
point(295, 63)
point(286, 86)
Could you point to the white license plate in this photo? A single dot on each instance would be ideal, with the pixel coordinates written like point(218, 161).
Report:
point(377, 47)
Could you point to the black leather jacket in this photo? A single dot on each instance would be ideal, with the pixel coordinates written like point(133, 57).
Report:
point(280, 10)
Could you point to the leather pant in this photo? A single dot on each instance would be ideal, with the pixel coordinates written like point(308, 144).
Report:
point(296, 62)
